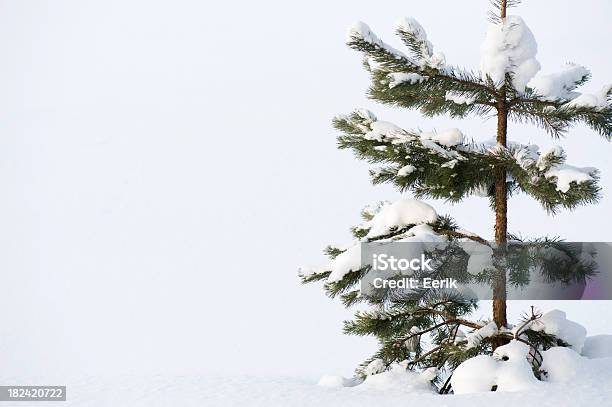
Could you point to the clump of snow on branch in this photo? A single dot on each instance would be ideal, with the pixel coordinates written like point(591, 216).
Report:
point(439, 142)
point(384, 219)
point(555, 323)
point(366, 115)
point(459, 98)
point(399, 214)
point(509, 48)
point(347, 261)
point(447, 138)
point(566, 174)
point(423, 48)
point(344, 263)
point(406, 170)
point(378, 130)
point(437, 149)
point(559, 85)
point(554, 152)
point(411, 26)
point(381, 130)
point(361, 31)
point(598, 100)
point(474, 338)
point(397, 78)
point(422, 233)
point(371, 210)
point(528, 157)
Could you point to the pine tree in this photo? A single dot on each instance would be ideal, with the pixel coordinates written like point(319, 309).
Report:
point(445, 165)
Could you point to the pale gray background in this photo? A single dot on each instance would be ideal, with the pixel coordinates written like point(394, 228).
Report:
point(166, 166)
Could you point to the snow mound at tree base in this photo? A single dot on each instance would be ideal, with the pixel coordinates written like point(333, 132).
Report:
point(562, 365)
point(399, 379)
point(597, 346)
point(507, 370)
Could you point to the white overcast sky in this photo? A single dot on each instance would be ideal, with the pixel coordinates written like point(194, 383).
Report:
point(166, 166)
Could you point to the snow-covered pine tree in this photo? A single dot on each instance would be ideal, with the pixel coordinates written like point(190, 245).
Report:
point(445, 165)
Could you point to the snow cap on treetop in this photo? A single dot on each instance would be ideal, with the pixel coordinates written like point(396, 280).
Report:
point(509, 47)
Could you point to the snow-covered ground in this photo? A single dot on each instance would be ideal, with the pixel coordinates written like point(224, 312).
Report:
point(591, 389)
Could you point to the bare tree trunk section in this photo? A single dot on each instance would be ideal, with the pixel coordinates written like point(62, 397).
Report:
point(501, 209)
point(501, 221)
point(503, 7)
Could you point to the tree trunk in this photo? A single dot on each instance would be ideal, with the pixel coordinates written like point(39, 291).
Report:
point(502, 9)
point(501, 210)
point(501, 221)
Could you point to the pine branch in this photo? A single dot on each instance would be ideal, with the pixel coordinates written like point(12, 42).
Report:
point(556, 117)
point(459, 235)
point(453, 321)
point(455, 172)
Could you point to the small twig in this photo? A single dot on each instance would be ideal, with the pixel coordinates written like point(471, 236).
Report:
point(424, 355)
point(452, 233)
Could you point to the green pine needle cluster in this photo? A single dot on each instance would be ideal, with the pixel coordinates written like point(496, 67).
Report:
point(455, 172)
